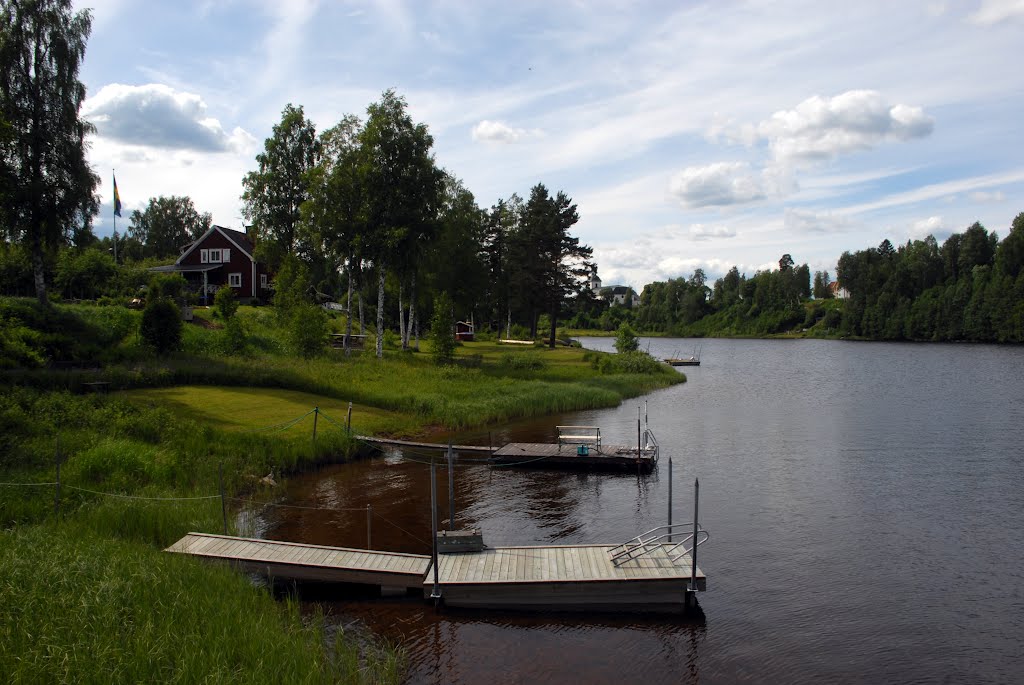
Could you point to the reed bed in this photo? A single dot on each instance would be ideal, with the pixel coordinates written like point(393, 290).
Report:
point(82, 607)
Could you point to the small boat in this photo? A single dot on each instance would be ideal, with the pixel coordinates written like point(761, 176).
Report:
point(692, 360)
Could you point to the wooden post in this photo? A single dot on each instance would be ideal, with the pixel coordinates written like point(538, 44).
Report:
point(451, 487)
point(369, 525)
point(348, 420)
point(223, 500)
point(316, 415)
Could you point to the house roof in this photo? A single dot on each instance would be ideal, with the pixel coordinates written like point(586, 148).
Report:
point(240, 240)
point(184, 268)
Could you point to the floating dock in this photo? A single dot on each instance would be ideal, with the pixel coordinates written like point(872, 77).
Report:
point(595, 458)
point(638, 576)
point(295, 561)
point(565, 577)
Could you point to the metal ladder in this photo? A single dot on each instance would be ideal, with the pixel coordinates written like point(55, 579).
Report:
point(658, 538)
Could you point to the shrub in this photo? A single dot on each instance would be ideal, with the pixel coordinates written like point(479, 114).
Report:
point(626, 340)
point(161, 325)
point(307, 330)
point(234, 337)
point(225, 304)
point(166, 285)
point(441, 334)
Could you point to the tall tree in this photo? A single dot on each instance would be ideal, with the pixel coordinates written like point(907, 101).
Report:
point(334, 216)
point(561, 262)
point(274, 193)
point(402, 187)
point(50, 187)
point(167, 224)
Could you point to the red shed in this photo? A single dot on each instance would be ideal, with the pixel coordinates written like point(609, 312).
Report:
point(463, 330)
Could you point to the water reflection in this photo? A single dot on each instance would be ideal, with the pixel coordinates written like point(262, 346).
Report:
point(864, 500)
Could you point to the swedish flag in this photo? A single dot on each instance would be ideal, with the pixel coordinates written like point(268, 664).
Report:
point(117, 199)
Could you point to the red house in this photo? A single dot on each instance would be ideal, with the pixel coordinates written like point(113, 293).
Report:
point(221, 257)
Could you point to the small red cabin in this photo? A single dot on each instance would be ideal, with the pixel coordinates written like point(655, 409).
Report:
point(463, 330)
point(221, 257)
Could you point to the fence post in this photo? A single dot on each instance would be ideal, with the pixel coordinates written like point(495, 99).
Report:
point(223, 500)
point(348, 420)
point(638, 436)
point(369, 519)
point(316, 415)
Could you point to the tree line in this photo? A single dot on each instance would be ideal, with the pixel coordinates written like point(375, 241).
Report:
point(971, 287)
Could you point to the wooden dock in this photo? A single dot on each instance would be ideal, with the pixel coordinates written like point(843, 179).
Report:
point(294, 561)
point(555, 456)
point(565, 577)
point(554, 577)
point(410, 444)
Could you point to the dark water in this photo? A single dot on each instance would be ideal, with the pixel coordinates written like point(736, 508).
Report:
point(865, 501)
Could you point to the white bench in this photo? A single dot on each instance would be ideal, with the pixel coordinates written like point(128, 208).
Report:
point(579, 435)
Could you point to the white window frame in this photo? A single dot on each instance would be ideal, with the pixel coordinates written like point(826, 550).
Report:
point(225, 255)
point(204, 256)
point(215, 256)
point(263, 281)
point(235, 280)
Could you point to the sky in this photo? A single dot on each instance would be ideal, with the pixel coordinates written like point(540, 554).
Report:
point(689, 134)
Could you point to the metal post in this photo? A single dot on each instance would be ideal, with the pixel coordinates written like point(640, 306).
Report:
point(451, 487)
point(435, 593)
point(369, 525)
point(646, 424)
point(670, 497)
point(696, 528)
point(638, 435)
point(223, 500)
point(348, 420)
point(316, 415)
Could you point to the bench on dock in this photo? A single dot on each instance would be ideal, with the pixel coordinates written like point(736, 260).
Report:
point(579, 435)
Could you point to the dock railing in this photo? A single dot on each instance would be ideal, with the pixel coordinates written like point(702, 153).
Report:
point(579, 435)
point(657, 538)
point(651, 443)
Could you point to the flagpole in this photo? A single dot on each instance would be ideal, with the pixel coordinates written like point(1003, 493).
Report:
point(113, 173)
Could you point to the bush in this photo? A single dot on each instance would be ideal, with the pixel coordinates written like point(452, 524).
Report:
point(307, 330)
point(441, 334)
point(161, 325)
point(166, 286)
point(626, 340)
point(225, 304)
point(234, 337)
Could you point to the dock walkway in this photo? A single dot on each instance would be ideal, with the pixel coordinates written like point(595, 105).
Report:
point(551, 455)
point(295, 561)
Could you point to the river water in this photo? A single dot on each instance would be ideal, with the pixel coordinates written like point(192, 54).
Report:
point(865, 502)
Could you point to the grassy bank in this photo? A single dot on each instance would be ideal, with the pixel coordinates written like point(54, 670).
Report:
point(141, 465)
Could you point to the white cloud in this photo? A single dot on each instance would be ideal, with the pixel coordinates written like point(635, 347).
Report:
point(824, 128)
point(984, 196)
point(719, 184)
point(995, 11)
point(932, 226)
point(500, 132)
point(155, 115)
point(806, 221)
point(703, 232)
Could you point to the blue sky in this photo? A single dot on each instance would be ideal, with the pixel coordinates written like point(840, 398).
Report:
point(690, 134)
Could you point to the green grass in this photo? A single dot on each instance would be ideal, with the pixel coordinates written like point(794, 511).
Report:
point(256, 409)
point(80, 607)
